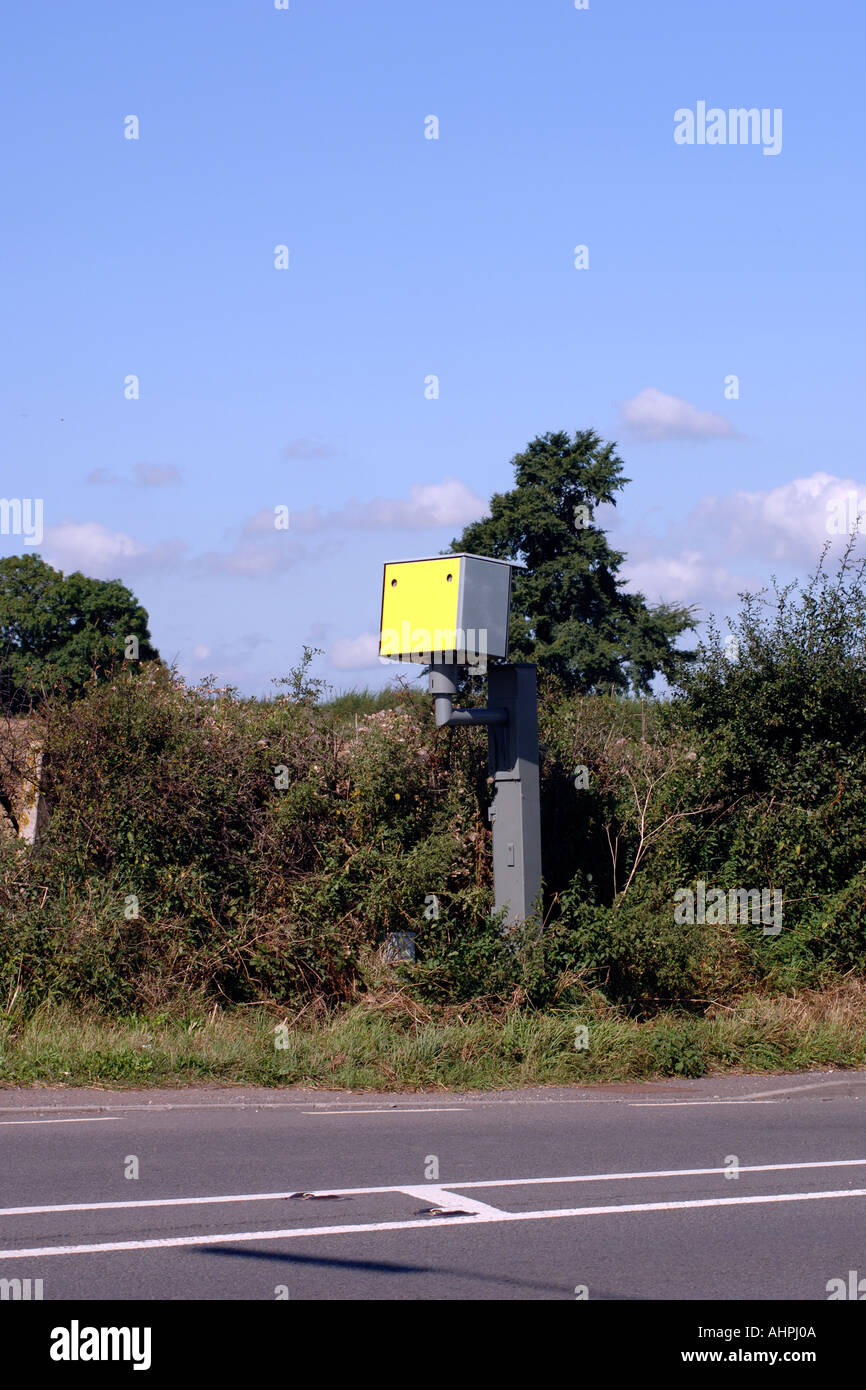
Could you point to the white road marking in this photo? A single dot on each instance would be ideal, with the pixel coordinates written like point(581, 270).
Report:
point(441, 1197)
point(433, 1192)
point(657, 1104)
point(230, 1200)
point(580, 1096)
point(369, 1228)
point(760, 1097)
point(79, 1120)
point(429, 1192)
point(303, 1105)
point(391, 1110)
point(808, 1086)
point(664, 1173)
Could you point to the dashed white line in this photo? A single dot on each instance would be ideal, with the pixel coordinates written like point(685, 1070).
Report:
point(578, 1095)
point(390, 1110)
point(78, 1120)
point(659, 1104)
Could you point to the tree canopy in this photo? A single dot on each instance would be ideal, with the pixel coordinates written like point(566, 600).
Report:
point(570, 613)
point(57, 628)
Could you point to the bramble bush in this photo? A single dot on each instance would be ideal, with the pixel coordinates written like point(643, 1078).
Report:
point(205, 846)
point(202, 843)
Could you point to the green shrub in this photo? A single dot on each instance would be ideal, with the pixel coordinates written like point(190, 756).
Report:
point(206, 847)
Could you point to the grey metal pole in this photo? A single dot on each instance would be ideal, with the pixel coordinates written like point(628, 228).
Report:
point(516, 809)
point(443, 687)
point(513, 757)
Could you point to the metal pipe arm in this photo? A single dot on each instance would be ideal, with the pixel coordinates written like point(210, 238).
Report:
point(470, 716)
point(443, 685)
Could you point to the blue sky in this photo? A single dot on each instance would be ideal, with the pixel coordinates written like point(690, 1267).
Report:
point(411, 257)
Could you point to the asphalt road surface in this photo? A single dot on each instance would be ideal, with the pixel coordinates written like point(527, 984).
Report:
point(741, 1188)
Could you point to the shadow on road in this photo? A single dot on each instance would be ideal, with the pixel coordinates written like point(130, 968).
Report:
point(379, 1267)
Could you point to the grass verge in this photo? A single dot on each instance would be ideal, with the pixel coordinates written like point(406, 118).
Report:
point(393, 1044)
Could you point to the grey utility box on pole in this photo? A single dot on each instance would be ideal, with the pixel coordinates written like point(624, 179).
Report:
point(426, 606)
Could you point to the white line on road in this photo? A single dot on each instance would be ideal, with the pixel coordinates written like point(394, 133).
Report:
point(658, 1104)
point(807, 1086)
point(368, 1228)
point(430, 1190)
point(79, 1120)
point(187, 1201)
point(391, 1110)
point(441, 1197)
point(577, 1095)
point(664, 1173)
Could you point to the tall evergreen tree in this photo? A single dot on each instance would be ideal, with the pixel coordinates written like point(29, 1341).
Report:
point(570, 613)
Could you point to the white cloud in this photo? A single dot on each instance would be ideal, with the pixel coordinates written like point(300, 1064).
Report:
point(355, 653)
point(786, 525)
point(261, 550)
point(789, 522)
point(686, 578)
point(449, 503)
point(89, 546)
point(652, 415)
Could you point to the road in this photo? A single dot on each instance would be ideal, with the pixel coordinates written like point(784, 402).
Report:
point(737, 1188)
